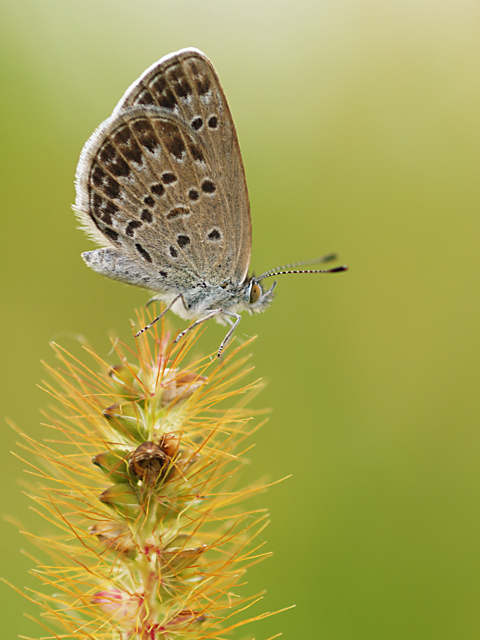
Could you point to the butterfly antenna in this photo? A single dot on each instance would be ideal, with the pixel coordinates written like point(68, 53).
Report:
point(278, 271)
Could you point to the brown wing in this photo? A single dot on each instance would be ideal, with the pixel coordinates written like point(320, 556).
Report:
point(186, 85)
point(147, 185)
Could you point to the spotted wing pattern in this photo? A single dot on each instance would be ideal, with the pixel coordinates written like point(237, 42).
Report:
point(161, 182)
point(186, 84)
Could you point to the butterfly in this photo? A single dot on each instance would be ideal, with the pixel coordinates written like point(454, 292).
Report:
point(161, 187)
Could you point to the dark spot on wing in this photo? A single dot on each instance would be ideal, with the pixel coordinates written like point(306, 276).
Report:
point(119, 168)
point(180, 82)
point(168, 177)
point(182, 241)
point(148, 200)
point(146, 134)
point(111, 188)
point(197, 123)
point(193, 194)
point(143, 252)
point(146, 216)
point(131, 226)
point(196, 152)
point(167, 100)
point(176, 146)
point(173, 251)
point(163, 273)
point(107, 152)
point(97, 176)
point(97, 202)
point(179, 210)
point(112, 160)
point(108, 210)
point(110, 233)
point(145, 97)
point(124, 139)
point(203, 85)
point(157, 189)
point(213, 122)
point(164, 95)
point(214, 235)
point(208, 186)
point(103, 209)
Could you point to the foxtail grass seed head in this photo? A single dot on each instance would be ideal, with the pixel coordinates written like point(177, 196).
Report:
point(149, 539)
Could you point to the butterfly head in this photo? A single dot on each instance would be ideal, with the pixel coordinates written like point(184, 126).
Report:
point(256, 299)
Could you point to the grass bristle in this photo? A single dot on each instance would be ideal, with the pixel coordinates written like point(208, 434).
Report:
point(139, 483)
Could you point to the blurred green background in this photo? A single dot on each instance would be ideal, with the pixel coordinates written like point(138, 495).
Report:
point(359, 122)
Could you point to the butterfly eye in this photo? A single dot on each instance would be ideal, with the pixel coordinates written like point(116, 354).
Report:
point(255, 293)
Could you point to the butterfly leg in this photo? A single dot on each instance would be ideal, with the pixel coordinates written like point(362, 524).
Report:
point(234, 325)
point(154, 299)
point(162, 314)
point(212, 314)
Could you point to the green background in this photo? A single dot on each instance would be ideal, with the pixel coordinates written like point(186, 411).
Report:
point(359, 123)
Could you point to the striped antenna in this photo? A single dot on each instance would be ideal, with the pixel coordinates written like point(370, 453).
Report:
point(279, 271)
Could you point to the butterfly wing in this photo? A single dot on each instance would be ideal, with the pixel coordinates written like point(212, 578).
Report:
point(158, 192)
point(185, 84)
